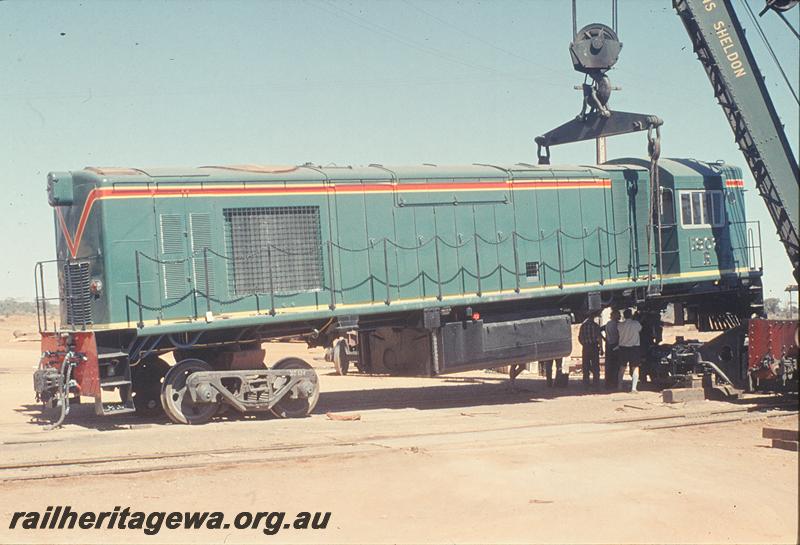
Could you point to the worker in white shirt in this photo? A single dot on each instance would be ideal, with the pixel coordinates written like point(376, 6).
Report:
point(629, 349)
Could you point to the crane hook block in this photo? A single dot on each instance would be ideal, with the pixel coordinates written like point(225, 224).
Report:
point(595, 49)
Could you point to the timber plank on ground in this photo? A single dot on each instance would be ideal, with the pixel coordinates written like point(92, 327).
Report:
point(781, 433)
point(785, 445)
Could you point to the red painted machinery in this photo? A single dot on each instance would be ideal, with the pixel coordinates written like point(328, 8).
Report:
point(772, 351)
point(69, 365)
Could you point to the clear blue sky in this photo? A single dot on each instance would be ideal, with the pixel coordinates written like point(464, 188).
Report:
point(396, 82)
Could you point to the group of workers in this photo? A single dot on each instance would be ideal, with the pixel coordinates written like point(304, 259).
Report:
point(626, 341)
point(627, 337)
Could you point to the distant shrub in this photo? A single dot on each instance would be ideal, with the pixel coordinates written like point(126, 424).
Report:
point(9, 306)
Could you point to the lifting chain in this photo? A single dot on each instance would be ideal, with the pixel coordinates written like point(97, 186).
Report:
point(654, 152)
point(653, 144)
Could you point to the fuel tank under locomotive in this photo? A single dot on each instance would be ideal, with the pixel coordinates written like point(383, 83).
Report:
point(442, 348)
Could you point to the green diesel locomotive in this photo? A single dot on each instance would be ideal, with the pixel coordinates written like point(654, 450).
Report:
point(424, 270)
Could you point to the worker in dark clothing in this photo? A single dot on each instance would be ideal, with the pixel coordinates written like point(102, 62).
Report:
point(649, 337)
point(548, 371)
point(611, 330)
point(592, 343)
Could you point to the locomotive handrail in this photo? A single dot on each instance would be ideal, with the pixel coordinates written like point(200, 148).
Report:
point(402, 247)
point(331, 273)
point(163, 261)
point(37, 278)
point(516, 261)
point(271, 284)
point(560, 260)
point(600, 255)
point(751, 242)
point(66, 296)
point(386, 271)
point(573, 237)
point(542, 238)
point(390, 241)
point(333, 287)
point(208, 291)
point(750, 246)
point(452, 246)
point(37, 274)
point(497, 242)
point(354, 250)
point(177, 301)
point(478, 265)
point(438, 269)
point(139, 291)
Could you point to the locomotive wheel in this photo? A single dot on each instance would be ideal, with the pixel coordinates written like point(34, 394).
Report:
point(177, 400)
point(147, 377)
point(340, 360)
point(290, 406)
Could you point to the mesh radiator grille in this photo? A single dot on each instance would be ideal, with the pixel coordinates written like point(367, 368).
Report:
point(274, 248)
point(78, 298)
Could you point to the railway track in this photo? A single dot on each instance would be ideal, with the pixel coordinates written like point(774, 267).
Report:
point(363, 444)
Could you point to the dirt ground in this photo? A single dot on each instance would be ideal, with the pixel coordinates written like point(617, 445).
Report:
point(454, 459)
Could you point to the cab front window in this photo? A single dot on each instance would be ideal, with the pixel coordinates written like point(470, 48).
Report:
point(702, 209)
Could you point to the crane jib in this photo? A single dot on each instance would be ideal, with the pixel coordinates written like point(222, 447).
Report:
point(721, 46)
point(729, 48)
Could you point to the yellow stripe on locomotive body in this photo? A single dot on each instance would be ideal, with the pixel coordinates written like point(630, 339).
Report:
point(294, 243)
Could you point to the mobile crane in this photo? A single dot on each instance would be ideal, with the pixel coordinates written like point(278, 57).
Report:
point(757, 350)
point(722, 48)
point(720, 44)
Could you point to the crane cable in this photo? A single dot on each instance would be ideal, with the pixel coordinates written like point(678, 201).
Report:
point(574, 18)
point(771, 51)
point(614, 17)
point(771, 6)
point(654, 219)
point(785, 20)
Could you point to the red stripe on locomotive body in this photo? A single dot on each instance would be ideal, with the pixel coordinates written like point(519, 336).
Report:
point(65, 232)
point(165, 192)
point(74, 243)
point(734, 183)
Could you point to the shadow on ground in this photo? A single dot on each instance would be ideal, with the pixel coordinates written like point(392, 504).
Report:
point(441, 393)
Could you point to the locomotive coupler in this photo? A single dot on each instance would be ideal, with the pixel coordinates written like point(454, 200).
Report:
point(50, 380)
point(53, 381)
point(47, 383)
point(68, 365)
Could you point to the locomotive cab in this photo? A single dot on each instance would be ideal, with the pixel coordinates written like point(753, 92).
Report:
point(700, 222)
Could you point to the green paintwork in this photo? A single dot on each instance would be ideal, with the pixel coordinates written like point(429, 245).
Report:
point(568, 231)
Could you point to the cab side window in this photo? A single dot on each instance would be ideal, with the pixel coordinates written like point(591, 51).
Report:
point(702, 209)
point(667, 208)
